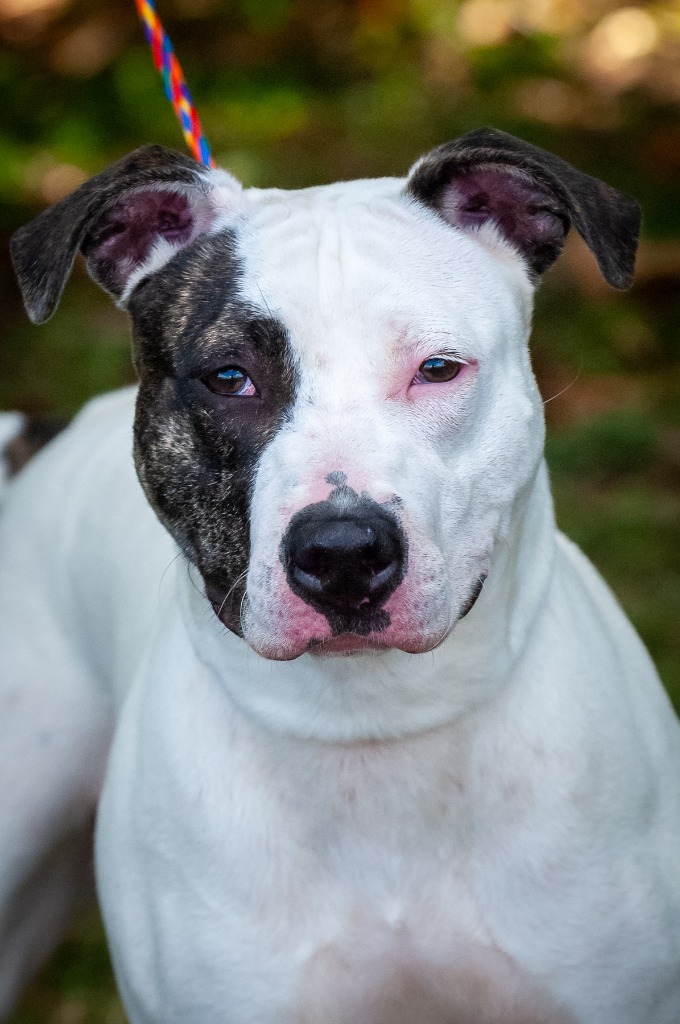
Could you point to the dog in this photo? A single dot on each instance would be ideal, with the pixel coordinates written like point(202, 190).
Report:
point(370, 741)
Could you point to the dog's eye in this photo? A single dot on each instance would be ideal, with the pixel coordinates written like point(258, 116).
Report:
point(230, 380)
point(437, 370)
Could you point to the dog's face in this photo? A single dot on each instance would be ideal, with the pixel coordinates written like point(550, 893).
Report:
point(336, 413)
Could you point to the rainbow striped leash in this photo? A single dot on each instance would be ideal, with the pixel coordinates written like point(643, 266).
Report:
point(173, 81)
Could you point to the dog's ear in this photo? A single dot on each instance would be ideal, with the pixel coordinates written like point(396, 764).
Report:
point(532, 197)
point(127, 221)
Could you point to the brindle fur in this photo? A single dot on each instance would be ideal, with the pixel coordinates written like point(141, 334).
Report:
point(196, 452)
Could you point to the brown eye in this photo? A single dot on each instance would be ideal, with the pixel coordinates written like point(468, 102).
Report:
point(437, 370)
point(230, 380)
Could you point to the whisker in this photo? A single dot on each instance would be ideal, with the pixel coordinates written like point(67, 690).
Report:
point(244, 599)
point(166, 570)
point(197, 588)
point(567, 388)
point(231, 590)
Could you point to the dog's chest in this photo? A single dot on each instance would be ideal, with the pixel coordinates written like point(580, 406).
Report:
point(384, 941)
point(366, 905)
point(396, 931)
point(379, 972)
point(322, 883)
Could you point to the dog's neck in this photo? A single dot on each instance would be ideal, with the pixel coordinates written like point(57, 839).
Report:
point(392, 694)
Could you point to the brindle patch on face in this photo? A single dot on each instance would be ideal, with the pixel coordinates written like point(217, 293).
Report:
point(197, 452)
point(336, 478)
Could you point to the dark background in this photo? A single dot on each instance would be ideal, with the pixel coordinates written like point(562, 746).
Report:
point(296, 93)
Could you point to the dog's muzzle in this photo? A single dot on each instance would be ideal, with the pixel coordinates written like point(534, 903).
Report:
point(345, 563)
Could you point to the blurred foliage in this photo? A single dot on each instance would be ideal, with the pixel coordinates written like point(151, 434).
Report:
point(294, 93)
point(77, 986)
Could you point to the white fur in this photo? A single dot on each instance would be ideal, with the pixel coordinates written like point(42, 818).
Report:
point(486, 832)
point(368, 287)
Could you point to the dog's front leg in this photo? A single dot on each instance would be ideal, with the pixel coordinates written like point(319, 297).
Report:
point(193, 867)
point(55, 726)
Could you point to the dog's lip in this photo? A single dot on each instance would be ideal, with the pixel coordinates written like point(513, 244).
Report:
point(345, 643)
point(226, 609)
point(474, 596)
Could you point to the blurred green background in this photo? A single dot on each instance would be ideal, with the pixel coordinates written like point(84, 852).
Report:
point(299, 92)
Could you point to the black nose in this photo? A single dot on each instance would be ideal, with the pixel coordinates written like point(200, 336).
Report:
point(344, 562)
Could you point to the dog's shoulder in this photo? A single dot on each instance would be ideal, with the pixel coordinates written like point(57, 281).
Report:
point(86, 467)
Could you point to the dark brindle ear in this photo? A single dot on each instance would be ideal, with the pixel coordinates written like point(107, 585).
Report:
point(532, 197)
point(151, 203)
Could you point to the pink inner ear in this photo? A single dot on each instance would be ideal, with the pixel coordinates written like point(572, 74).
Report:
point(525, 214)
point(130, 228)
point(123, 238)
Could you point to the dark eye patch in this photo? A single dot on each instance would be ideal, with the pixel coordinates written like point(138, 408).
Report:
point(197, 452)
point(239, 338)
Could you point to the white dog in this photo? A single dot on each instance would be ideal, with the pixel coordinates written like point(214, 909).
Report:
point(381, 794)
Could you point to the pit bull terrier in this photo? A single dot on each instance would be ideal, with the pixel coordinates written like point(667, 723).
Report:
point(370, 740)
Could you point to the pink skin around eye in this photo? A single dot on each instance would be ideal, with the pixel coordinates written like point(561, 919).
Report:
point(248, 389)
point(427, 386)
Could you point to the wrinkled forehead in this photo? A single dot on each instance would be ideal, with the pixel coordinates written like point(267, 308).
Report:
point(359, 264)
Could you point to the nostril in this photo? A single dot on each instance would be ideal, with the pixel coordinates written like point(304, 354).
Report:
point(381, 577)
point(309, 580)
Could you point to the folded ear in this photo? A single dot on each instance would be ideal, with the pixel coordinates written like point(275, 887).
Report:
point(532, 197)
point(127, 221)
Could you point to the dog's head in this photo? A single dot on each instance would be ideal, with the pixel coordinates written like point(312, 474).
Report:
point(336, 415)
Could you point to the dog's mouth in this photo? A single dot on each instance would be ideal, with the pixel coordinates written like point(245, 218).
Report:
point(347, 638)
point(226, 605)
point(475, 594)
point(344, 645)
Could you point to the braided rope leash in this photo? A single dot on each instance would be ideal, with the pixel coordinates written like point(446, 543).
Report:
point(176, 88)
